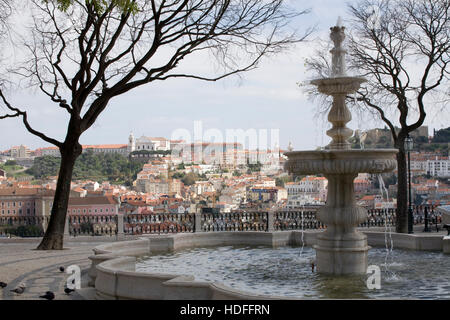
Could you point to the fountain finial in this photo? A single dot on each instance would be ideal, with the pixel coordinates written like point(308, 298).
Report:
point(290, 147)
point(338, 53)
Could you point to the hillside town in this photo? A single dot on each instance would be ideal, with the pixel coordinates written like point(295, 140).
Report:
point(228, 178)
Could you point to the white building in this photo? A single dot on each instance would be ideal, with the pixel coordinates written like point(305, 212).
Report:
point(201, 187)
point(313, 186)
point(300, 200)
point(20, 152)
point(107, 148)
point(439, 167)
point(148, 143)
point(49, 151)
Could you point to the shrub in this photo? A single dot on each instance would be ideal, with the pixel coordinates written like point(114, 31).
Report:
point(26, 231)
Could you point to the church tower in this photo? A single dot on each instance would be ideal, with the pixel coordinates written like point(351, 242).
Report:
point(131, 143)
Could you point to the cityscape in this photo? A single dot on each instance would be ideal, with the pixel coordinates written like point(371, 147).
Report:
point(233, 178)
point(227, 213)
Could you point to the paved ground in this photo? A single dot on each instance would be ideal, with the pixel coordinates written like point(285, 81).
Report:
point(20, 262)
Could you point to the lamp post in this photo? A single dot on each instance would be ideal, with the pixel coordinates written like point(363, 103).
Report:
point(409, 144)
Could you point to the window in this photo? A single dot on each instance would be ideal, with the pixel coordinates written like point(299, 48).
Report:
point(20, 211)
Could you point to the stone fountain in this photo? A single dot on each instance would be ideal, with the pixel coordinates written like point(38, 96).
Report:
point(341, 249)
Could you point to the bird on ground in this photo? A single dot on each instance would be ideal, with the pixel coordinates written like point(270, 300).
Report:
point(48, 295)
point(20, 289)
point(68, 290)
point(3, 284)
point(313, 265)
point(61, 269)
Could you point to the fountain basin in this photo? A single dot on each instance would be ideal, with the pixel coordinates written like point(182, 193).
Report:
point(338, 85)
point(271, 271)
point(116, 271)
point(341, 161)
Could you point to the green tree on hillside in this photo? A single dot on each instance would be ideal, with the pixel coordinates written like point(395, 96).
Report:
point(112, 167)
point(442, 136)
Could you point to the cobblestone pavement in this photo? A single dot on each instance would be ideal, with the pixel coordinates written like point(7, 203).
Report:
point(39, 270)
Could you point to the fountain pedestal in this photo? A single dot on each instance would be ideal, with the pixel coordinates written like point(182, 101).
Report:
point(341, 249)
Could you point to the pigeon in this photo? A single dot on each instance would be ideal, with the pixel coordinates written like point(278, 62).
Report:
point(48, 295)
point(61, 269)
point(313, 265)
point(20, 289)
point(68, 290)
point(3, 285)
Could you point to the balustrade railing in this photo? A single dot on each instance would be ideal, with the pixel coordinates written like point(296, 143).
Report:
point(287, 219)
point(80, 225)
point(235, 221)
point(158, 223)
point(296, 220)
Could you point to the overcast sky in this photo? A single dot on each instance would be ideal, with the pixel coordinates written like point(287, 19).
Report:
point(266, 98)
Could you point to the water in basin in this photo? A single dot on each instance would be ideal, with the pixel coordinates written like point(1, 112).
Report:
point(284, 272)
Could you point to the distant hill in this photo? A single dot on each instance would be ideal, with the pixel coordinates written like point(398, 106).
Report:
point(442, 136)
point(382, 138)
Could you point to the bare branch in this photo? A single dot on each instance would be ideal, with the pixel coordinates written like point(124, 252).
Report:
point(23, 114)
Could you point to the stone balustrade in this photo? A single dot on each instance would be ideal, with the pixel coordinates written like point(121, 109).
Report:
point(262, 221)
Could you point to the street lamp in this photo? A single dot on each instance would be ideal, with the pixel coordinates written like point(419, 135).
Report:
point(409, 144)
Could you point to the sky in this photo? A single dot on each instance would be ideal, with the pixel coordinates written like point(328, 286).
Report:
point(267, 98)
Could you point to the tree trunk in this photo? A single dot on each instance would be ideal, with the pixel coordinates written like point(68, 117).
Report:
point(402, 190)
point(54, 235)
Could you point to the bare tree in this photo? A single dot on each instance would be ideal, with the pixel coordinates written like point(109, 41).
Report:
point(402, 48)
point(6, 8)
point(84, 53)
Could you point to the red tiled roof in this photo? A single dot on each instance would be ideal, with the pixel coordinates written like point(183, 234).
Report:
point(25, 192)
point(86, 201)
point(105, 146)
